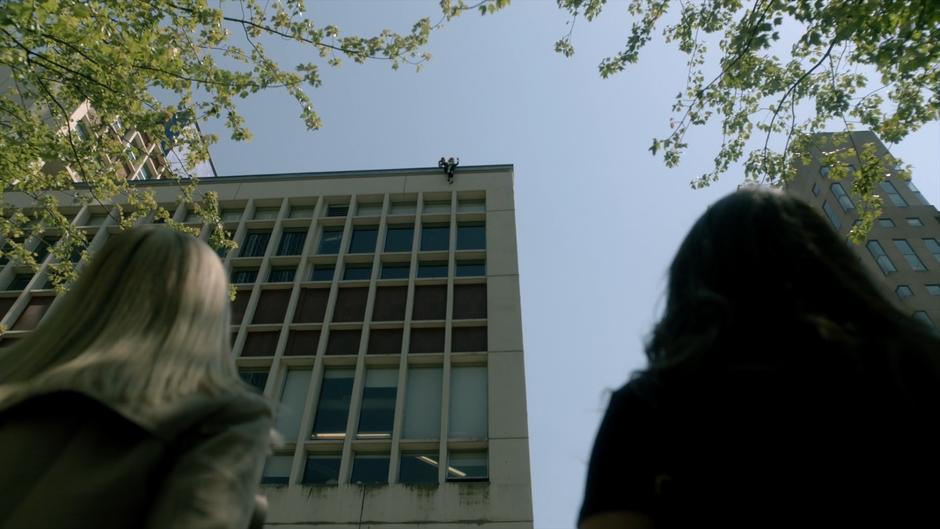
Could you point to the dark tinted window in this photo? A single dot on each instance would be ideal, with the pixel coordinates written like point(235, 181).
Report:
point(432, 269)
point(471, 236)
point(370, 469)
point(302, 343)
point(322, 272)
point(390, 303)
point(351, 304)
point(385, 341)
point(395, 270)
point(471, 268)
point(427, 340)
point(19, 281)
point(271, 306)
point(330, 240)
point(343, 342)
point(378, 401)
point(322, 470)
point(244, 275)
point(467, 466)
point(399, 238)
point(435, 238)
point(337, 210)
point(255, 243)
point(311, 307)
point(260, 343)
point(418, 468)
point(357, 272)
point(363, 239)
point(292, 242)
point(281, 275)
point(430, 302)
point(255, 378)
point(333, 404)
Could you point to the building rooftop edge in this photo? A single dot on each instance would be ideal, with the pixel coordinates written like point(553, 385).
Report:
point(364, 173)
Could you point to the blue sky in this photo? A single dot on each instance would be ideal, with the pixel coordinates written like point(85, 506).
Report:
point(598, 218)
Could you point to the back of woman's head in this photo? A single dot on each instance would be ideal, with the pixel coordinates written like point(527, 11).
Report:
point(146, 321)
point(762, 266)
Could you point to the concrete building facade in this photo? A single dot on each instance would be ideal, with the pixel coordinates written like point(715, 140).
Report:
point(380, 310)
point(903, 247)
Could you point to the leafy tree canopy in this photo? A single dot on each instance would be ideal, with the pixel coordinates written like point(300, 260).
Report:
point(871, 64)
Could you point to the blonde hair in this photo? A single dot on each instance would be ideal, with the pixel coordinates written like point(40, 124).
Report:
point(146, 322)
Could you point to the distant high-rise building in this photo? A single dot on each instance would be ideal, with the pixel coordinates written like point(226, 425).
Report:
point(903, 247)
point(380, 310)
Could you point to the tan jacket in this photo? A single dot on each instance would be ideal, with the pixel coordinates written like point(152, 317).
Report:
point(70, 461)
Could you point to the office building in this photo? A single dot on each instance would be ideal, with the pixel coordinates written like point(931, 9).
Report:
point(903, 247)
point(380, 310)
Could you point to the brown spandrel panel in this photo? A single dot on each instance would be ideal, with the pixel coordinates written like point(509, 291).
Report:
point(468, 339)
point(351, 304)
point(427, 340)
point(33, 313)
point(302, 343)
point(272, 306)
point(240, 305)
point(343, 342)
point(260, 343)
point(469, 302)
point(430, 302)
point(311, 307)
point(390, 304)
point(385, 341)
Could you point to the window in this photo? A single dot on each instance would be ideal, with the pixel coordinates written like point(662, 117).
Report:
point(435, 237)
point(385, 341)
point(922, 316)
point(831, 214)
point(311, 307)
point(886, 223)
point(351, 304)
point(908, 252)
point(330, 240)
point(302, 343)
point(933, 247)
point(917, 193)
point(19, 281)
point(337, 210)
point(430, 302)
point(437, 206)
point(359, 271)
point(42, 248)
point(423, 403)
point(276, 470)
point(468, 403)
point(466, 466)
point(878, 253)
point(145, 173)
point(395, 270)
point(333, 404)
point(96, 219)
point(281, 275)
point(272, 305)
point(82, 130)
point(260, 343)
point(844, 200)
point(291, 404)
point(378, 403)
point(192, 217)
point(301, 212)
point(471, 268)
point(390, 303)
point(369, 209)
point(322, 272)
point(256, 242)
point(398, 238)
point(893, 194)
point(432, 269)
point(903, 291)
point(467, 206)
point(815, 189)
point(471, 236)
point(292, 242)
point(343, 342)
point(469, 301)
point(231, 215)
point(363, 239)
point(933, 290)
point(402, 208)
point(914, 221)
point(370, 469)
point(468, 339)
point(255, 378)
point(321, 469)
point(266, 213)
point(244, 275)
point(426, 340)
point(418, 467)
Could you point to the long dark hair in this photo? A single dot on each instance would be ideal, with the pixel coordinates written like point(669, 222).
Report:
point(763, 276)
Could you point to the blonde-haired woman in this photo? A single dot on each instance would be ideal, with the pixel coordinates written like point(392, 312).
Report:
point(125, 409)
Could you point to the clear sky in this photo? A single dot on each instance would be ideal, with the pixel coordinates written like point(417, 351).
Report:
point(598, 218)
